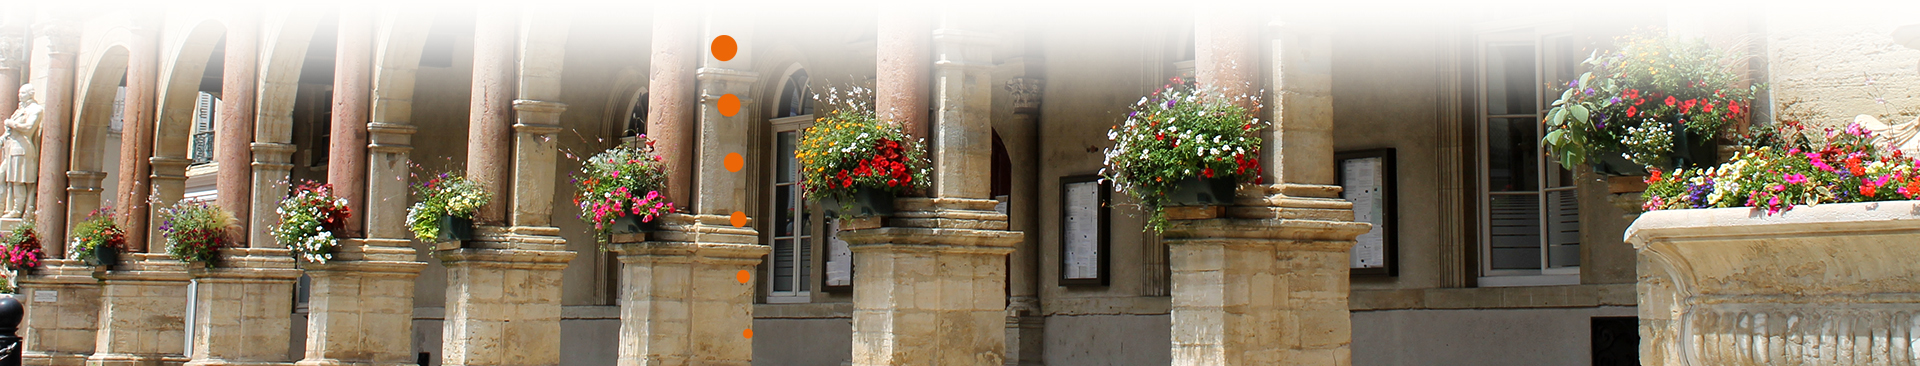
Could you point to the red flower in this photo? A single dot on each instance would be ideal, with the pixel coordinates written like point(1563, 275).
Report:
point(1633, 111)
point(1733, 107)
point(1708, 108)
point(1208, 172)
point(1670, 101)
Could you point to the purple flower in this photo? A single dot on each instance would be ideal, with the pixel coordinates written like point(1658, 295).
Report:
point(1170, 102)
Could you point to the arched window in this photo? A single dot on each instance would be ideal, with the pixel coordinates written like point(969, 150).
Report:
point(794, 231)
point(636, 117)
point(795, 98)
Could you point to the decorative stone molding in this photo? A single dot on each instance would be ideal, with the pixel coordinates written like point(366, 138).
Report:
point(1026, 94)
point(1822, 285)
point(66, 302)
point(680, 300)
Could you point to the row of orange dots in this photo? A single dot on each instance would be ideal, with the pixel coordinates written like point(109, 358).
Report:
point(723, 49)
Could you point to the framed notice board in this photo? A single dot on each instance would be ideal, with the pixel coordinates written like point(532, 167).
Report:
point(1085, 220)
point(1367, 180)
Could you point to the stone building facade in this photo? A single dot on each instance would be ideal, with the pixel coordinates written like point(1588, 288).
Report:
point(1498, 257)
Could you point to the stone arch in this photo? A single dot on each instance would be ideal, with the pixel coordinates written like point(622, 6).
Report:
point(399, 42)
point(100, 82)
point(180, 86)
point(283, 51)
point(629, 87)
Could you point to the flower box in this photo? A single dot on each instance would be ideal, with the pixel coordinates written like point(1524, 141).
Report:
point(864, 203)
point(1203, 192)
point(1823, 285)
point(632, 224)
point(455, 228)
point(104, 258)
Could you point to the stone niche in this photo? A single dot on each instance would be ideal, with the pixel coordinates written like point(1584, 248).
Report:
point(1834, 284)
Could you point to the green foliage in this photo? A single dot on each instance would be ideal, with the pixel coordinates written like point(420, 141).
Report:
point(624, 180)
point(195, 231)
point(310, 222)
point(97, 233)
point(851, 149)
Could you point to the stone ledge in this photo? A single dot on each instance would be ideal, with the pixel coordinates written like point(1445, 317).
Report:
point(1314, 235)
point(369, 268)
point(1589, 295)
point(684, 252)
point(828, 310)
point(1868, 218)
point(507, 258)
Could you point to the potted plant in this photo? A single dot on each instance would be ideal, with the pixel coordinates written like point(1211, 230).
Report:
point(853, 163)
point(1801, 167)
point(97, 241)
point(1654, 102)
point(446, 207)
point(1184, 145)
point(195, 231)
point(309, 221)
point(22, 251)
point(619, 190)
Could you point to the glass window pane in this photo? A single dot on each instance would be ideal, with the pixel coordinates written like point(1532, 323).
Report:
point(1563, 229)
point(784, 209)
point(1562, 64)
point(783, 256)
point(1515, 231)
point(805, 263)
point(1510, 79)
point(1512, 155)
point(788, 170)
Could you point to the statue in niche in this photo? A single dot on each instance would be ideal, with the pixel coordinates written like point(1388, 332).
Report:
point(20, 168)
point(1904, 137)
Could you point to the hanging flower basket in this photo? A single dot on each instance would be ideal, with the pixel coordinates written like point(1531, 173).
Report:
point(854, 164)
point(98, 241)
point(445, 211)
point(22, 252)
point(1185, 145)
point(195, 231)
point(1653, 102)
point(310, 222)
point(619, 191)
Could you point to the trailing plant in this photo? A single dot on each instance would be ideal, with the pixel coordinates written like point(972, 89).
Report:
point(95, 234)
point(196, 230)
point(625, 180)
point(1800, 167)
point(310, 221)
point(23, 250)
point(445, 194)
point(1181, 132)
point(1633, 101)
point(850, 149)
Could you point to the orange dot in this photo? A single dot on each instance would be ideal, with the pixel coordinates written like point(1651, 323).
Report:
point(739, 219)
point(747, 333)
point(724, 48)
point(743, 276)
point(729, 105)
point(734, 162)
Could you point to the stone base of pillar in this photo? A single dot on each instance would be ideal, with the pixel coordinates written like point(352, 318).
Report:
point(1026, 332)
point(143, 309)
point(360, 311)
point(932, 285)
point(63, 312)
point(240, 313)
point(503, 297)
point(682, 302)
point(1264, 285)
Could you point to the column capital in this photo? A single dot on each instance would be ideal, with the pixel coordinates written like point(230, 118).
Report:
point(13, 50)
point(1026, 94)
point(63, 36)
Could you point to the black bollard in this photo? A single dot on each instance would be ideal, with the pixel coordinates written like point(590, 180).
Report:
point(10, 314)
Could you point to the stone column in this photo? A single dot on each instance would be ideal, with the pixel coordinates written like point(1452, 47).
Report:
point(240, 312)
point(932, 278)
point(681, 302)
point(1025, 324)
point(489, 129)
point(503, 293)
point(347, 154)
point(52, 69)
point(670, 94)
point(1264, 281)
point(903, 66)
point(136, 141)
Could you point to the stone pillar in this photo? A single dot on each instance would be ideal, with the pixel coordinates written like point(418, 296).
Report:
point(142, 312)
point(272, 165)
point(168, 177)
point(1026, 327)
point(670, 97)
point(240, 316)
point(52, 69)
point(489, 128)
point(352, 73)
point(136, 141)
point(903, 66)
point(1264, 281)
point(681, 301)
point(503, 293)
point(932, 278)
point(233, 151)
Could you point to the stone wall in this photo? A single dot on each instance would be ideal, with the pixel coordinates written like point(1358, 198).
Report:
point(1836, 63)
